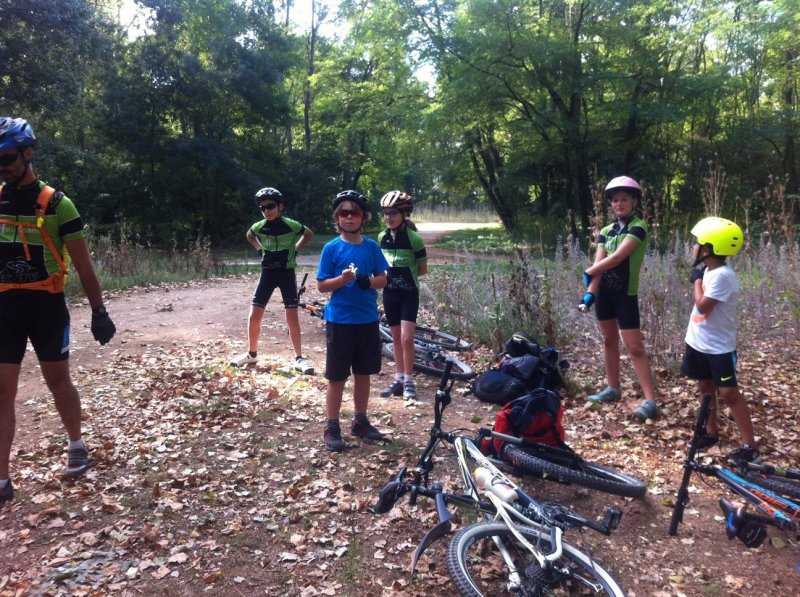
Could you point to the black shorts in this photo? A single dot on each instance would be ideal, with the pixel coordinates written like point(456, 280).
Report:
point(719, 368)
point(35, 315)
point(352, 346)
point(622, 307)
point(276, 278)
point(400, 305)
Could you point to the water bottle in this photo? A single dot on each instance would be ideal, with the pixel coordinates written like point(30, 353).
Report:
point(484, 478)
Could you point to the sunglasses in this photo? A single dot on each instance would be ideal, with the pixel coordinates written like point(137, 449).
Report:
point(268, 206)
point(346, 213)
point(7, 160)
point(391, 213)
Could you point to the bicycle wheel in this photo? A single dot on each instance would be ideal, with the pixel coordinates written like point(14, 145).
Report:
point(425, 362)
point(779, 485)
point(575, 470)
point(441, 339)
point(478, 568)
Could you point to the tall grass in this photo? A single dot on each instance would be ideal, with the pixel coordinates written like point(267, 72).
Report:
point(448, 214)
point(130, 261)
point(539, 294)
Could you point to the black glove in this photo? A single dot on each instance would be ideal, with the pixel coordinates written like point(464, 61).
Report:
point(363, 281)
point(103, 328)
point(697, 274)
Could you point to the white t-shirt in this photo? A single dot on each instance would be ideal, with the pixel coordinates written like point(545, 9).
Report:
point(715, 333)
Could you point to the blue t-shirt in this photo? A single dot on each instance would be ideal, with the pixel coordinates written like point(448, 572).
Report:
point(351, 304)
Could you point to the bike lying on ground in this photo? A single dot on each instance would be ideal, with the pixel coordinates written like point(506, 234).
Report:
point(435, 337)
point(747, 482)
point(558, 463)
point(517, 546)
point(425, 356)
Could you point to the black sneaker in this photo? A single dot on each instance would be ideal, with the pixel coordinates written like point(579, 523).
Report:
point(333, 440)
point(77, 462)
point(745, 454)
point(7, 493)
point(365, 430)
point(393, 389)
point(707, 440)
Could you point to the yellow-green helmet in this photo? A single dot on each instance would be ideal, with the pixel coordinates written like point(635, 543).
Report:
point(724, 236)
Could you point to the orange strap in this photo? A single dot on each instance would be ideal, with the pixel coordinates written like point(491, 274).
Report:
point(54, 283)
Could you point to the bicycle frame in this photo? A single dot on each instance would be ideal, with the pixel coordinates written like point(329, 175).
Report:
point(782, 512)
point(547, 519)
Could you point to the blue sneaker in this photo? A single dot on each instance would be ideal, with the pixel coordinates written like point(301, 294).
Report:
point(608, 395)
point(647, 410)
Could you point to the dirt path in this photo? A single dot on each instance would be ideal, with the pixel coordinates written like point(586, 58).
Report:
point(214, 480)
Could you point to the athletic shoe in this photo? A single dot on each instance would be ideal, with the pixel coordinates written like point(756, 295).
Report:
point(393, 389)
point(647, 410)
point(7, 493)
point(409, 390)
point(304, 365)
point(333, 440)
point(244, 360)
point(707, 440)
point(745, 454)
point(608, 395)
point(365, 430)
point(77, 462)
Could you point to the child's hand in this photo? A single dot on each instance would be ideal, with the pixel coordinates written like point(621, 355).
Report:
point(586, 302)
point(348, 275)
point(697, 274)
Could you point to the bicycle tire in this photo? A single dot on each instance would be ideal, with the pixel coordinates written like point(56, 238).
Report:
point(477, 567)
point(441, 339)
point(779, 485)
point(425, 364)
point(580, 472)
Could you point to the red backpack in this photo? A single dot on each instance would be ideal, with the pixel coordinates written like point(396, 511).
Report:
point(535, 417)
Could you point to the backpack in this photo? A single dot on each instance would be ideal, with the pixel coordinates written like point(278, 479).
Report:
point(535, 417)
point(498, 387)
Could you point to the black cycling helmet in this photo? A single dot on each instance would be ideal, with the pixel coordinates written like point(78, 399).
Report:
point(16, 133)
point(521, 344)
point(268, 193)
point(353, 196)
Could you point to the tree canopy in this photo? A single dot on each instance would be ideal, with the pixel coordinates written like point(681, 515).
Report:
point(524, 106)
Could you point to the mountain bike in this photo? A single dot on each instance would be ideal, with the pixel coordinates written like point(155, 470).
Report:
point(517, 547)
point(560, 463)
point(436, 337)
point(425, 357)
point(749, 528)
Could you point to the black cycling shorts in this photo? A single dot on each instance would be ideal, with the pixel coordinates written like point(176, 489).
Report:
point(720, 368)
point(355, 347)
point(35, 315)
point(400, 305)
point(622, 307)
point(276, 278)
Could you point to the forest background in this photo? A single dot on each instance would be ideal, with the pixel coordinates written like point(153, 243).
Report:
point(169, 124)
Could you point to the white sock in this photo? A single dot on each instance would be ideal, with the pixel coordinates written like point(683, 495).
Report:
point(399, 376)
point(76, 444)
point(409, 378)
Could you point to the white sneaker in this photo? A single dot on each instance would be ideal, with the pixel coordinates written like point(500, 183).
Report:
point(304, 365)
point(243, 360)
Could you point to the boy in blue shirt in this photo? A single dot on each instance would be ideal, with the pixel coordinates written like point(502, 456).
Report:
point(352, 268)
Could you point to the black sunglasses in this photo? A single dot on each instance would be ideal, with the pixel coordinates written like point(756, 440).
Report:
point(7, 160)
point(268, 206)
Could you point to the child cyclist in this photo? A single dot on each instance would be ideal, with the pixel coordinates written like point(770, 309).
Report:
point(352, 268)
point(278, 239)
point(711, 335)
point(613, 285)
point(404, 249)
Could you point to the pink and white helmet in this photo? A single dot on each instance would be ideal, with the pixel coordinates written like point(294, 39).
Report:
point(623, 183)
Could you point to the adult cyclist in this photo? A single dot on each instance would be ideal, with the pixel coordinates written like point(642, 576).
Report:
point(37, 227)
